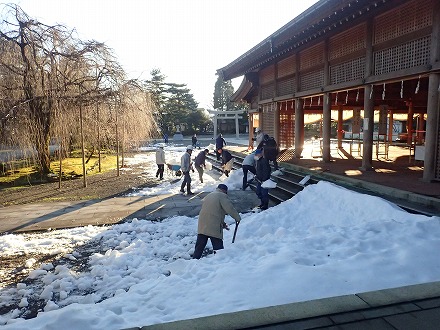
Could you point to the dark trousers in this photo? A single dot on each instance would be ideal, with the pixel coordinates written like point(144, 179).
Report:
point(200, 171)
point(246, 169)
point(160, 169)
point(218, 155)
point(263, 195)
point(275, 163)
point(217, 244)
point(187, 182)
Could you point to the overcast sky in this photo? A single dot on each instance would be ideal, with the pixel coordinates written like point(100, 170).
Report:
point(188, 40)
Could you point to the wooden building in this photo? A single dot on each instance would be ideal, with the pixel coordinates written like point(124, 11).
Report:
point(364, 56)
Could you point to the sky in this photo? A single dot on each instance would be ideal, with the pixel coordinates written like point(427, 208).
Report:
point(188, 40)
point(325, 241)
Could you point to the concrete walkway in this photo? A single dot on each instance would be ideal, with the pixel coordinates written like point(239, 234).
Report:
point(44, 216)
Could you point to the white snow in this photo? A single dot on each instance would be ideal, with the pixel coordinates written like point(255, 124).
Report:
point(326, 241)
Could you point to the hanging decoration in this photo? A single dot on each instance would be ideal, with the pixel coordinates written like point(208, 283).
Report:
point(371, 92)
point(319, 101)
point(346, 98)
point(357, 96)
point(311, 100)
point(418, 86)
point(336, 99)
point(401, 90)
point(383, 92)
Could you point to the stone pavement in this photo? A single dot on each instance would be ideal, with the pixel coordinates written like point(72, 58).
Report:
point(45, 216)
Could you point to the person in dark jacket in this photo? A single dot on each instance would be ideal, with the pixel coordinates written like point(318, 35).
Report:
point(263, 174)
point(199, 163)
point(219, 144)
point(270, 149)
point(212, 219)
point(194, 141)
point(227, 161)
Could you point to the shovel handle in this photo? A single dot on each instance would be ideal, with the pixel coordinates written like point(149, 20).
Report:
point(235, 232)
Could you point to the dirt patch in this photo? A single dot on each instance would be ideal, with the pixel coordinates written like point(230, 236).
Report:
point(101, 185)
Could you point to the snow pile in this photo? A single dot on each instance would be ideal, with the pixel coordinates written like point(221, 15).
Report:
point(326, 241)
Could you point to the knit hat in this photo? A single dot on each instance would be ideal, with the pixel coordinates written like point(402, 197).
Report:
point(223, 187)
point(190, 147)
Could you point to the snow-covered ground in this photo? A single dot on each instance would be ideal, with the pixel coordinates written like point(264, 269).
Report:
point(326, 241)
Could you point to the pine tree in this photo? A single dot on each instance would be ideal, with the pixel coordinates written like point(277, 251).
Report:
point(223, 91)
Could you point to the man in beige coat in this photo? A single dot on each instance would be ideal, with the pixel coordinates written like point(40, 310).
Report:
point(212, 219)
point(160, 162)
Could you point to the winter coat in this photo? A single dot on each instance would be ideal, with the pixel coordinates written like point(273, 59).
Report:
point(219, 143)
point(249, 160)
point(270, 148)
point(263, 169)
point(226, 157)
point(185, 162)
point(200, 159)
point(259, 138)
point(160, 156)
point(212, 215)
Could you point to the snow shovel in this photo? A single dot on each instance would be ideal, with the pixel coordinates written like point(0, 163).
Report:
point(235, 232)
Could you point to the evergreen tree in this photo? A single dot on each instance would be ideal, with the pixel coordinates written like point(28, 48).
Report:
point(222, 95)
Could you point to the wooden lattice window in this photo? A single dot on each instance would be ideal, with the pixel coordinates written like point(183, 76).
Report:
point(286, 67)
point(268, 91)
point(287, 124)
point(314, 79)
point(268, 117)
point(408, 55)
point(286, 86)
point(410, 17)
point(347, 71)
point(312, 56)
point(347, 42)
point(267, 75)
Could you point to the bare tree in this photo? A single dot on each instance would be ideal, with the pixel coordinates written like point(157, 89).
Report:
point(48, 74)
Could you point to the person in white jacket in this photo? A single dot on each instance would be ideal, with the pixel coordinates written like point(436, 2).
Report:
point(248, 165)
point(160, 161)
point(185, 167)
point(259, 137)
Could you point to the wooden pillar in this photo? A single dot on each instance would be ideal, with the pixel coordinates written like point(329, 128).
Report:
point(420, 129)
point(276, 118)
point(299, 127)
point(251, 131)
point(326, 129)
point(409, 122)
point(340, 125)
point(390, 126)
point(367, 151)
point(215, 125)
point(432, 153)
point(432, 131)
point(237, 128)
